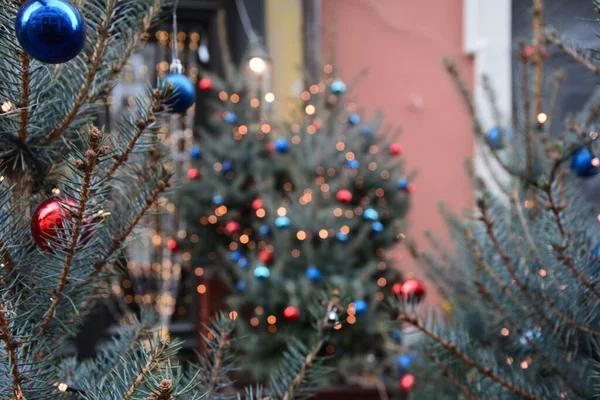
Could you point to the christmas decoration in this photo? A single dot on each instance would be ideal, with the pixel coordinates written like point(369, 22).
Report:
point(51, 31)
point(407, 382)
point(217, 199)
point(235, 256)
point(266, 257)
point(370, 215)
point(230, 117)
point(402, 184)
point(50, 220)
point(404, 361)
point(282, 222)
point(193, 173)
point(313, 274)
point(195, 152)
point(344, 196)
point(495, 138)
point(291, 313)
point(205, 84)
point(585, 163)
point(367, 132)
point(270, 147)
point(377, 227)
point(264, 230)
point(411, 290)
point(233, 227)
point(182, 95)
point(354, 119)
point(282, 146)
point(360, 307)
point(172, 245)
point(257, 204)
point(341, 236)
point(353, 164)
point(261, 272)
point(531, 337)
point(243, 262)
point(227, 167)
point(240, 286)
point(395, 149)
point(338, 87)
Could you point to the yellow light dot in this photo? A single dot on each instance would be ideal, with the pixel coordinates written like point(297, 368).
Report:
point(63, 387)
point(129, 299)
point(310, 109)
point(235, 98)
point(259, 310)
point(351, 310)
point(379, 296)
point(281, 211)
point(345, 229)
point(201, 289)
point(271, 319)
point(7, 106)
point(311, 129)
point(301, 235)
point(595, 161)
point(524, 365)
point(296, 139)
point(528, 203)
point(212, 219)
point(260, 213)
point(504, 332)
point(199, 271)
point(244, 239)
point(349, 214)
point(295, 253)
point(223, 96)
point(594, 135)
point(337, 212)
point(381, 282)
point(349, 156)
point(254, 321)
point(187, 256)
point(233, 315)
point(542, 272)
point(509, 360)
point(269, 97)
point(254, 103)
point(156, 240)
point(542, 118)
point(323, 233)
point(379, 192)
point(325, 188)
point(338, 327)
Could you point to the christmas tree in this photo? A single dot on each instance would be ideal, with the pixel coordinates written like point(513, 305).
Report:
point(72, 195)
point(522, 281)
point(291, 209)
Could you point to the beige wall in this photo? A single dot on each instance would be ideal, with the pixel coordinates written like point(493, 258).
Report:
point(402, 43)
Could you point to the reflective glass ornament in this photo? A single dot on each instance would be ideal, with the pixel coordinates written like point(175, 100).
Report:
point(282, 222)
point(313, 274)
point(377, 227)
point(230, 117)
point(262, 272)
point(243, 262)
point(495, 139)
point(217, 199)
point(370, 214)
point(585, 163)
point(227, 167)
point(353, 164)
point(51, 31)
point(354, 119)
point(402, 184)
point(183, 95)
point(264, 230)
point(195, 152)
point(338, 87)
point(240, 286)
point(360, 306)
point(235, 256)
point(282, 146)
point(341, 236)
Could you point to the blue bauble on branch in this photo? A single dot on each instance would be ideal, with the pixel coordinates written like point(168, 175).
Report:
point(282, 146)
point(360, 307)
point(495, 138)
point(370, 215)
point(240, 286)
point(261, 272)
point(235, 256)
point(217, 199)
point(341, 236)
point(352, 164)
point(354, 119)
point(313, 274)
point(243, 262)
point(338, 87)
point(195, 152)
point(584, 163)
point(51, 31)
point(230, 117)
point(402, 184)
point(264, 230)
point(377, 227)
point(227, 167)
point(183, 93)
point(282, 222)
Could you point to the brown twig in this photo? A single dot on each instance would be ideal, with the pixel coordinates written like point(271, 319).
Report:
point(552, 37)
point(25, 93)
point(11, 349)
point(445, 372)
point(7, 260)
point(218, 358)
point(557, 81)
point(299, 378)
point(149, 366)
point(487, 371)
point(593, 114)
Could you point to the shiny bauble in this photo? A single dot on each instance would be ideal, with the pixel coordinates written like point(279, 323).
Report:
point(352, 164)
point(407, 382)
point(338, 87)
point(585, 163)
point(395, 149)
point(265, 257)
point(195, 152)
point(217, 200)
point(230, 117)
point(182, 94)
point(172, 245)
point(193, 173)
point(50, 220)
point(282, 146)
point(235, 256)
point(264, 230)
point(240, 286)
point(243, 262)
point(411, 290)
point(51, 31)
point(257, 204)
point(495, 138)
point(232, 227)
point(341, 236)
point(354, 119)
point(370, 215)
point(377, 227)
point(205, 84)
point(261, 272)
point(360, 307)
point(291, 313)
point(344, 196)
point(313, 274)
point(282, 222)
point(227, 166)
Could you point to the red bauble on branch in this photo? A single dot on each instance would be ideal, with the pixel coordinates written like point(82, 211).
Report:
point(395, 149)
point(205, 84)
point(344, 196)
point(407, 382)
point(257, 204)
point(172, 245)
point(50, 221)
point(232, 227)
point(410, 290)
point(193, 173)
point(291, 313)
point(264, 256)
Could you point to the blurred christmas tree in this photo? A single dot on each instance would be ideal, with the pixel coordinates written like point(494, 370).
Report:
point(285, 211)
point(523, 283)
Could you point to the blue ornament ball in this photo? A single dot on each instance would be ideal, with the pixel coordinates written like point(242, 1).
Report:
point(353, 164)
point(240, 286)
point(264, 230)
point(404, 361)
point(282, 222)
point(183, 95)
point(396, 335)
point(341, 236)
point(377, 227)
point(338, 87)
point(235, 256)
point(367, 132)
point(584, 163)
point(282, 146)
point(230, 117)
point(51, 31)
point(495, 138)
point(243, 262)
point(370, 215)
point(402, 184)
point(227, 167)
point(261, 272)
point(313, 273)
point(361, 307)
point(195, 152)
point(217, 199)
point(354, 119)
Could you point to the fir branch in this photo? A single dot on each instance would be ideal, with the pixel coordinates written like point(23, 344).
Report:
point(301, 374)
point(593, 114)
point(487, 371)
point(11, 349)
point(25, 93)
point(445, 372)
point(93, 68)
point(222, 343)
point(557, 81)
point(151, 363)
point(92, 154)
point(6, 259)
point(552, 37)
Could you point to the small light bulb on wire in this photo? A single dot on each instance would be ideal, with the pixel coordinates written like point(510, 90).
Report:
point(257, 65)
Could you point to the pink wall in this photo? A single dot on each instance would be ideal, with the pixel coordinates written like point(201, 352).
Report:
point(402, 43)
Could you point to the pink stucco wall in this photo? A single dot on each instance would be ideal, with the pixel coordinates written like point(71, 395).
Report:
point(402, 43)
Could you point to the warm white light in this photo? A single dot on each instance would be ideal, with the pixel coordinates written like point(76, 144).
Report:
point(269, 97)
point(7, 106)
point(257, 65)
point(542, 118)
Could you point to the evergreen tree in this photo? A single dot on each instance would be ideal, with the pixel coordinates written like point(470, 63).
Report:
point(72, 194)
point(522, 279)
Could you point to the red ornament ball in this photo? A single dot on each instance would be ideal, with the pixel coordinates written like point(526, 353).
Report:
point(205, 84)
point(410, 290)
point(233, 227)
point(172, 244)
point(291, 313)
point(344, 196)
point(407, 382)
point(257, 204)
point(411, 188)
point(193, 173)
point(266, 257)
point(395, 149)
point(48, 222)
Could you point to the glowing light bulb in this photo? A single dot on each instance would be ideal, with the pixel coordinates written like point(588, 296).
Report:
point(257, 65)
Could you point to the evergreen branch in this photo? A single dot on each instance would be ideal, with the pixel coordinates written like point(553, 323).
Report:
point(487, 371)
point(301, 374)
point(222, 343)
point(151, 363)
point(7, 260)
point(552, 37)
point(527, 123)
point(25, 93)
point(11, 349)
point(538, 57)
point(557, 81)
point(593, 114)
point(90, 74)
point(92, 157)
point(445, 372)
